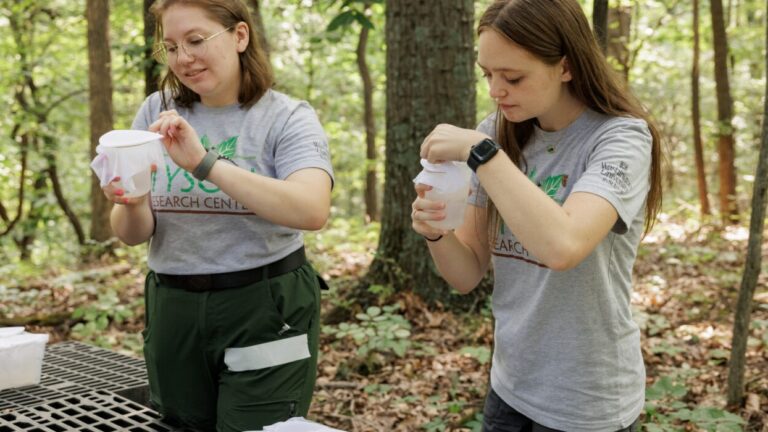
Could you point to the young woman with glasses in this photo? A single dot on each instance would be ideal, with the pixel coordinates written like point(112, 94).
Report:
point(567, 180)
point(232, 306)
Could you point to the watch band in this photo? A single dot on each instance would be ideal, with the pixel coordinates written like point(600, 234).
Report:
point(481, 153)
point(205, 165)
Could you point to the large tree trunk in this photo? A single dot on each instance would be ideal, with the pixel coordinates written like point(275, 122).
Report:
point(751, 267)
point(725, 145)
point(371, 199)
point(600, 22)
point(151, 67)
point(100, 100)
point(701, 174)
point(430, 80)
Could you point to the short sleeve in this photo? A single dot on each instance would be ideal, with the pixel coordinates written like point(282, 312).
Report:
point(301, 144)
point(618, 169)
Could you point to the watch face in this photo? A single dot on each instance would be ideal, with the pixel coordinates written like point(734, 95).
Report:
point(485, 149)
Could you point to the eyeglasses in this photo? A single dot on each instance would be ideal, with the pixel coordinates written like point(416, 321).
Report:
point(193, 45)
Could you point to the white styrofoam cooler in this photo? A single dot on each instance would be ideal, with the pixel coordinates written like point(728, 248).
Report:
point(21, 357)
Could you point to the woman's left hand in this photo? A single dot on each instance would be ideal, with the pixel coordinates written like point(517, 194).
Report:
point(180, 139)
point(450, 143)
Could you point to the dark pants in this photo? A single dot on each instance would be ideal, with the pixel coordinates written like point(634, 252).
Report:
point(500, 417)
point(235, 359)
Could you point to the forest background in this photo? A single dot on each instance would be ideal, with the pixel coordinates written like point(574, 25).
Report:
point(400, 351)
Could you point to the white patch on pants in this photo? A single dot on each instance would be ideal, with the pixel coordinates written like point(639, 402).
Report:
point(268, 354)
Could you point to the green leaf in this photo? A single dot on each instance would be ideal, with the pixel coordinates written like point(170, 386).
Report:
point(228, 147)
point(402, 333)
point(373, 311)
point(341, 20)
point(363, 20)
point(206, 142)
point(551, 185)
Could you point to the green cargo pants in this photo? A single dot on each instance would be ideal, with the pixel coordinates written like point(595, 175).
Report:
point(235, 359)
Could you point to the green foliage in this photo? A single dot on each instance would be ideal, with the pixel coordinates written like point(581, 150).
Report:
point(480, 353)
point(475, 424)
point(377, 331)
point(665, 411)
point(97, 317)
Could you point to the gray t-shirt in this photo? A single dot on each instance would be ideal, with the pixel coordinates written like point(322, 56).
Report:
point(200, 229)
point(567, 352)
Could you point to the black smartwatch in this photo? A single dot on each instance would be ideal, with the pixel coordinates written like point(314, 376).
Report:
point(481, 153)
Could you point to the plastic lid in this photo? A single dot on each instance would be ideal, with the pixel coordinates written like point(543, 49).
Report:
point(10, 331)
point(127, 138)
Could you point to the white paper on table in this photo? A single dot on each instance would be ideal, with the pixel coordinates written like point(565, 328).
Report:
point(298, 424)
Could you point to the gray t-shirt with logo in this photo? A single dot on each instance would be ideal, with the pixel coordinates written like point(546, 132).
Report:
point(567, 352)
point(200, 229)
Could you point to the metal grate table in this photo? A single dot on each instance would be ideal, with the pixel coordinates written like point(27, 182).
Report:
point(82, 388)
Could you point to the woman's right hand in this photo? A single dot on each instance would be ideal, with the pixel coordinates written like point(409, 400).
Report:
point(424, 210)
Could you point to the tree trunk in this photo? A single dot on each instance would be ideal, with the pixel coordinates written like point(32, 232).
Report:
point(725, 145)
point(258, 21)
point(151, 67)
point(100, 100)
point(371, 200)
point(701, 174)
point(430, 80)
point(751, 267)
point(23, 141)
point(600, 22)
point(618, 38)
point(35, 215)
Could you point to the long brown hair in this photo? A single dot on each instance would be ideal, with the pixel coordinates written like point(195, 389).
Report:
point(256, 72)
point(551, 30)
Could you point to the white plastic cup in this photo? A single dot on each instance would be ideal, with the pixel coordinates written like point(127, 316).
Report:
point(134, 149)
point(141, 182)
point(455, 206)
point(21, 357)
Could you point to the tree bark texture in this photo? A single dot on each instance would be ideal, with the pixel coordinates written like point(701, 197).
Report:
point(430, 80)
point(151, 67)
point(701, 174)
point(100, 100)
point(725, 146)
point(752, 266)
point(600, 22)
point(371, 198)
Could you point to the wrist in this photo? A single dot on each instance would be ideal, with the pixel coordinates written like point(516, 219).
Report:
point(203, 168)
point(433, 239)
point(481, 153)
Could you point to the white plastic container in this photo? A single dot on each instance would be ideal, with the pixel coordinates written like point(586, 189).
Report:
point(450, 184)
point(128, 154)
point(21, 357)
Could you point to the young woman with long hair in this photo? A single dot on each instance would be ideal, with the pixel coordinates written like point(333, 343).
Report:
point(567, 181)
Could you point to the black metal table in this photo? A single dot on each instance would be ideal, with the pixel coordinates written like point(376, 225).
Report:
point(82, 388)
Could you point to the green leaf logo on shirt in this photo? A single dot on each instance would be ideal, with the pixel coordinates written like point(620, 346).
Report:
point(552, 184)
point(226, 148)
